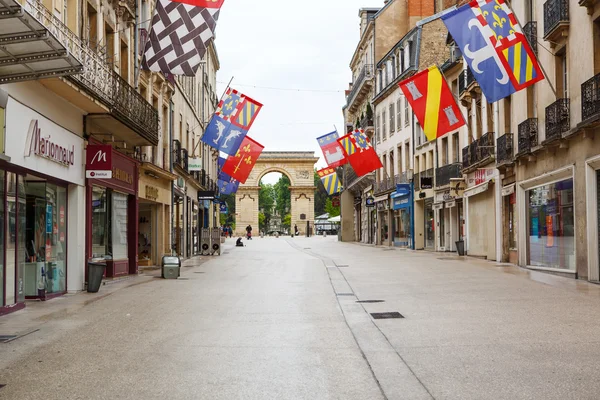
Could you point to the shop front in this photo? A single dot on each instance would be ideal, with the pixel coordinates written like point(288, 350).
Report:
point(41, 190)
point(480, 209)
point(154, 216)
point(112, 217)
point(402, 223)
point(549, 232)
point(448, 208)
point(509, 222)
point(382, 205)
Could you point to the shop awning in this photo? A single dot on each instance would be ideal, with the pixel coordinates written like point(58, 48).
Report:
point(482, 187)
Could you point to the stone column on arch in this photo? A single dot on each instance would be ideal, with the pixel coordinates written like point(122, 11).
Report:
point(246, 209)
point(303, 203)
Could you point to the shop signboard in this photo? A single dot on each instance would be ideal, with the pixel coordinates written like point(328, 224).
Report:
point(194, 164)
point(426, 182)
point(223, 208)
point(335, 201)
point(98, 161)
point(40, 145)
point(370, 201)
point(480, 176)
point(204, 195)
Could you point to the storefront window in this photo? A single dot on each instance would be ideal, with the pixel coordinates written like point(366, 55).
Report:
point(512, 228)
point(11, 243)
point(195, 227)
point(402, 227)
point(2, 231)
point(119, 226)
point(109, 224)
point(429, 228)
point(551, 226)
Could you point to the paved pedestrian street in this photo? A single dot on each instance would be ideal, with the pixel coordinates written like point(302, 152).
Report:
point(292, 318)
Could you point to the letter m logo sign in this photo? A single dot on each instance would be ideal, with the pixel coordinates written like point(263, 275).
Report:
point(98, 161)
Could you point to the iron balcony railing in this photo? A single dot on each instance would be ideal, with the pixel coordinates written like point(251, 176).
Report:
point(447, 172)
point(555, 12)
point(530, 31)
point(465, 80)
point(465, 157)
point(479, 150)
point(365, 73)
point(366, 122)
point(528, 135)
point(557, 119)
point(100, 79)
point(423, 174)
point(590, 98)
point(184, 159)
point(505, 148)
point(177, 152)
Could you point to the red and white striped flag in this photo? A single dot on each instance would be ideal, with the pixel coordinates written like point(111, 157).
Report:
point(179, 35)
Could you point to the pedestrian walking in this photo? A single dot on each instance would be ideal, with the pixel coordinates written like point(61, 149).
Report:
point(249, 232)
point(230, 231)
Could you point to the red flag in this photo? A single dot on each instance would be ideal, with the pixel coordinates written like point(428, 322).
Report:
point(239, 166)
point(432, 102)
point(360, 153)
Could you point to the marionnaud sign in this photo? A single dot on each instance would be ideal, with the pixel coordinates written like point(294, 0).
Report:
point(41, 145)
point(98, 161)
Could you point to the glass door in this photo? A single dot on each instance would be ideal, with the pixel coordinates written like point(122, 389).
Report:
point(2, 237)
point(429, 228)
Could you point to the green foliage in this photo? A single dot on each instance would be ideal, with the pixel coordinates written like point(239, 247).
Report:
point(223, 219)
point(283, 195)
point(287, 221)
point(369, 111)
point(266, 200)
point(331, 210)
point(261, 221)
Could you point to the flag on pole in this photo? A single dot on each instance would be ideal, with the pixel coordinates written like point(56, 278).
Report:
point(360, 153)
point(332, 151)
point(330, 180)
point(226, 184)
point(494, 46)
point(179, 35)
point(231, 122)
point(432, 102)
point(240, 166)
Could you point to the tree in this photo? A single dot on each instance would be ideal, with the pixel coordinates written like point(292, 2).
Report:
point(283, 195)
point(320, 196)
point(261, 221)
point(331, 210)
point(266, 200)
point(287, 221)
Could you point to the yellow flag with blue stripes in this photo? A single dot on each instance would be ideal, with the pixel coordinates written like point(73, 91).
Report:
point(330, 180)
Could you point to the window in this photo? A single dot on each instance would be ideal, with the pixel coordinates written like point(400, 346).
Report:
point(407, 156)
point(399, 156)
point(392, 119)
point(507, 116)
point(383, 125)
point(406, 113)
point(407, 56)
point(402, 68)
point(417, 165)
point(378, 128)
point(399, 114)
point(2, 128)
point(455, 147)
point(551, 225)
point(109, 224)
point(445, 150)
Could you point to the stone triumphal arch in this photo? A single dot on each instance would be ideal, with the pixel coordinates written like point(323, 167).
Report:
point(298, 166)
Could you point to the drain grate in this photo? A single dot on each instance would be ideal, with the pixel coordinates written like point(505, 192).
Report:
point(7, 338)
point(387, 315)
point(183, 279)
point(199, 272)
point(370, 301)
point(389, 249)
point(448, 258)
point(345, 294)
point(343, 266)
point(307, 248)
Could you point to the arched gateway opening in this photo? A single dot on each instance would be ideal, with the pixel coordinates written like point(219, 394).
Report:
point(298, 166)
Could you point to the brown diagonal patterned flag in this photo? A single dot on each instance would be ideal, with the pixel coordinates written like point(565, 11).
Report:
point(179, 35)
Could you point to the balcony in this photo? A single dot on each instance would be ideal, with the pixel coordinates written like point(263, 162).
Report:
point(34, 44)
point(424, 174)
point(528, 136)
point(505, 150)
point(367, 124)
point(530, 31)
point(480, 152)
point(184, 160)
point(590, 100)
point(590, 4)
point(360, 88)
point(556, 20)
point(444, 174)
point(467, 87)
point(387, 184)
point(176, 152)
point(557, 120)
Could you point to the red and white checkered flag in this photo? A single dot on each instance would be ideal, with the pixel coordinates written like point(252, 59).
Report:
point(180, 32)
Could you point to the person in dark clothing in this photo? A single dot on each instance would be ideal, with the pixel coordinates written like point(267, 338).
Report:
point(239, 243)
point(230, 231)
point(249, 232)
point(296, 232)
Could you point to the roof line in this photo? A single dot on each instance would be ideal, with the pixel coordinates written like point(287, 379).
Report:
point(436, 16)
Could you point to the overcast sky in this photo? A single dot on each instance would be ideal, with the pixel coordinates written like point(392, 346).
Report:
point(290, 45)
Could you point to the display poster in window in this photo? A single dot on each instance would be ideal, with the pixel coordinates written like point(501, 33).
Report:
point(62, 237)
point(49, 218)
point(62, 216)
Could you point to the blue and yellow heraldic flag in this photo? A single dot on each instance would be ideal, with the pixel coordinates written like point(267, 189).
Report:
point(330, 180)
point(494, 46)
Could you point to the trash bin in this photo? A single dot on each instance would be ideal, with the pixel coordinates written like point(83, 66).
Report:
point(170, 267)
point(460, 247)
point(95, 274)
